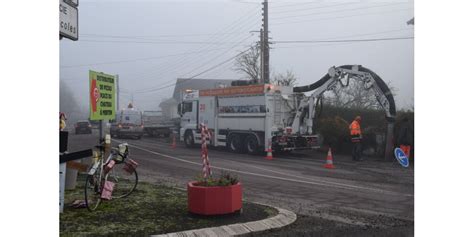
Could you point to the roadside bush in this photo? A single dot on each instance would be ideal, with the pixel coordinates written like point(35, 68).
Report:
point(335, 131)
point(411, 124)
point(333, 125)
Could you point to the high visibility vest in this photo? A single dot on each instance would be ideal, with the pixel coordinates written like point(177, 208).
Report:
point(355, 128)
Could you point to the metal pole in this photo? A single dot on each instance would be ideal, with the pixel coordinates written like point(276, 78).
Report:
point(389, 142)
point(100, 131)
point(262, 49)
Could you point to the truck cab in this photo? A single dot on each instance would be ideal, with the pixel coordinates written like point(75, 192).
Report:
point(188, 110)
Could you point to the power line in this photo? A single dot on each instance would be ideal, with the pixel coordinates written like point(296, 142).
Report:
point(312, 8)
point(151, 37)
point(138, 59)
point(332, 18)
point(366, 34)
point(181, 65)
point(340, 41)
point(336, 11)
point(198, 74)
point(296, 4)
point(217, 56)
point(157, 42)
point(240, 21)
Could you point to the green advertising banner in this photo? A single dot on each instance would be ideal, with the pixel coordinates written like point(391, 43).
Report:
point(102, 96)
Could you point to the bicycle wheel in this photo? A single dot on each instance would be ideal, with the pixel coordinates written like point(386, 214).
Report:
point(125, 182)
point(92, 190)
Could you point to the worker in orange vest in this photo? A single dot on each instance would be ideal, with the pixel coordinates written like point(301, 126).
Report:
point(356, 138)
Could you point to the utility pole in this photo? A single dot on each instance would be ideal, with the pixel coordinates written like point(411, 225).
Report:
point(266, 48)
point(262, 49)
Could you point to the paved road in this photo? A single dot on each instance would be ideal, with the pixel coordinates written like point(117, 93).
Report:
point(367, 193)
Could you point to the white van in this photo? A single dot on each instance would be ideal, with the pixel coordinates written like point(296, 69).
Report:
point(128, 123)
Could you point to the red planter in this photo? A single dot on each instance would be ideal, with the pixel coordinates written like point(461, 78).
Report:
point(214, 200)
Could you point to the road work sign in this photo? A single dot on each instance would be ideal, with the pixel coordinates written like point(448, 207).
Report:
point(102, 96)
point(401, 157)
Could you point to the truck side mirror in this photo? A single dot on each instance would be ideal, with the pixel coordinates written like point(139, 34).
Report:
point(179, 110)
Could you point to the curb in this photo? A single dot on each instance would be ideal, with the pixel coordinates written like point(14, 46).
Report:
point(283, 218)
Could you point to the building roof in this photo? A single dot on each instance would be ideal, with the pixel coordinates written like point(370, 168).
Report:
point(169, 102)
point(197, 84)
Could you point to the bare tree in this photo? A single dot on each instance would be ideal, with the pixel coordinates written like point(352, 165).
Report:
point(354, 95)
point(286, 79)
point(249, 63)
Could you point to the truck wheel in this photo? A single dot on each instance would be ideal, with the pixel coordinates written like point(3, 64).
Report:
point(235, 143)
point(188, 139)
point(251, 144)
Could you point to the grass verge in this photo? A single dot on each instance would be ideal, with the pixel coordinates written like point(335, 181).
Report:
point(150, 209)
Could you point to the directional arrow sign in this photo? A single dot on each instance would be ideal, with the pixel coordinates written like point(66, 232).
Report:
point(401, 157)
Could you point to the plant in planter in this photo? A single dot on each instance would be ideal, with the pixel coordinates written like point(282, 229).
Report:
point(210, 196)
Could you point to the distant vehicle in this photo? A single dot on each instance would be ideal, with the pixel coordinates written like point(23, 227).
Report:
point(128, 123)
point(95, 123)
point(83, 126)
point(155, 124)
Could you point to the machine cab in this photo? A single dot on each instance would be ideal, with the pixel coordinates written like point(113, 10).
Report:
point(188, 110)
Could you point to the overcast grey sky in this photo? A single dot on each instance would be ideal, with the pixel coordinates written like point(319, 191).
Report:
point(151, 43)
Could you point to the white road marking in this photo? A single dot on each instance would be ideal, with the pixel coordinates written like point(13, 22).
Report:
point(320, 183)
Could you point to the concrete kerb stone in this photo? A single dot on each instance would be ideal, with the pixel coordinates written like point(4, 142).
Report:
point(283, 218)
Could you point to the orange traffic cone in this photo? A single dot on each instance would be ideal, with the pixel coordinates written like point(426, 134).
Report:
point(269, 152)
point(173, 144)
point(329, 164)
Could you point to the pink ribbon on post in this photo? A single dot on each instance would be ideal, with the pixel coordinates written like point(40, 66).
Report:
point(206, 168)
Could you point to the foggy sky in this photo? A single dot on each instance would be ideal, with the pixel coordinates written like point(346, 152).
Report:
point(135, 34)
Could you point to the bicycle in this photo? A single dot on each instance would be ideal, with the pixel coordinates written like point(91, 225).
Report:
point(115, 169)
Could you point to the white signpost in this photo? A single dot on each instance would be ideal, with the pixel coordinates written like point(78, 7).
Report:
point(68, 20)
point(62, 185)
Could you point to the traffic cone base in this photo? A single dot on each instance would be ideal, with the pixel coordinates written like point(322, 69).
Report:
point(329, 164)
point(269, 153)
point(173, 144)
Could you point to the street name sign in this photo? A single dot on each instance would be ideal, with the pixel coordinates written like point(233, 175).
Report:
point(68, 21)
point(102, 96)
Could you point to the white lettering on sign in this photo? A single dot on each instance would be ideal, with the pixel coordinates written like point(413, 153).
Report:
point(68, 21)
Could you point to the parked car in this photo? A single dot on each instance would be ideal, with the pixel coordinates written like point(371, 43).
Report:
point(83, 126)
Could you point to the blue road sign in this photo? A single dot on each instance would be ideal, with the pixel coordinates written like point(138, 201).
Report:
point(401, 157)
